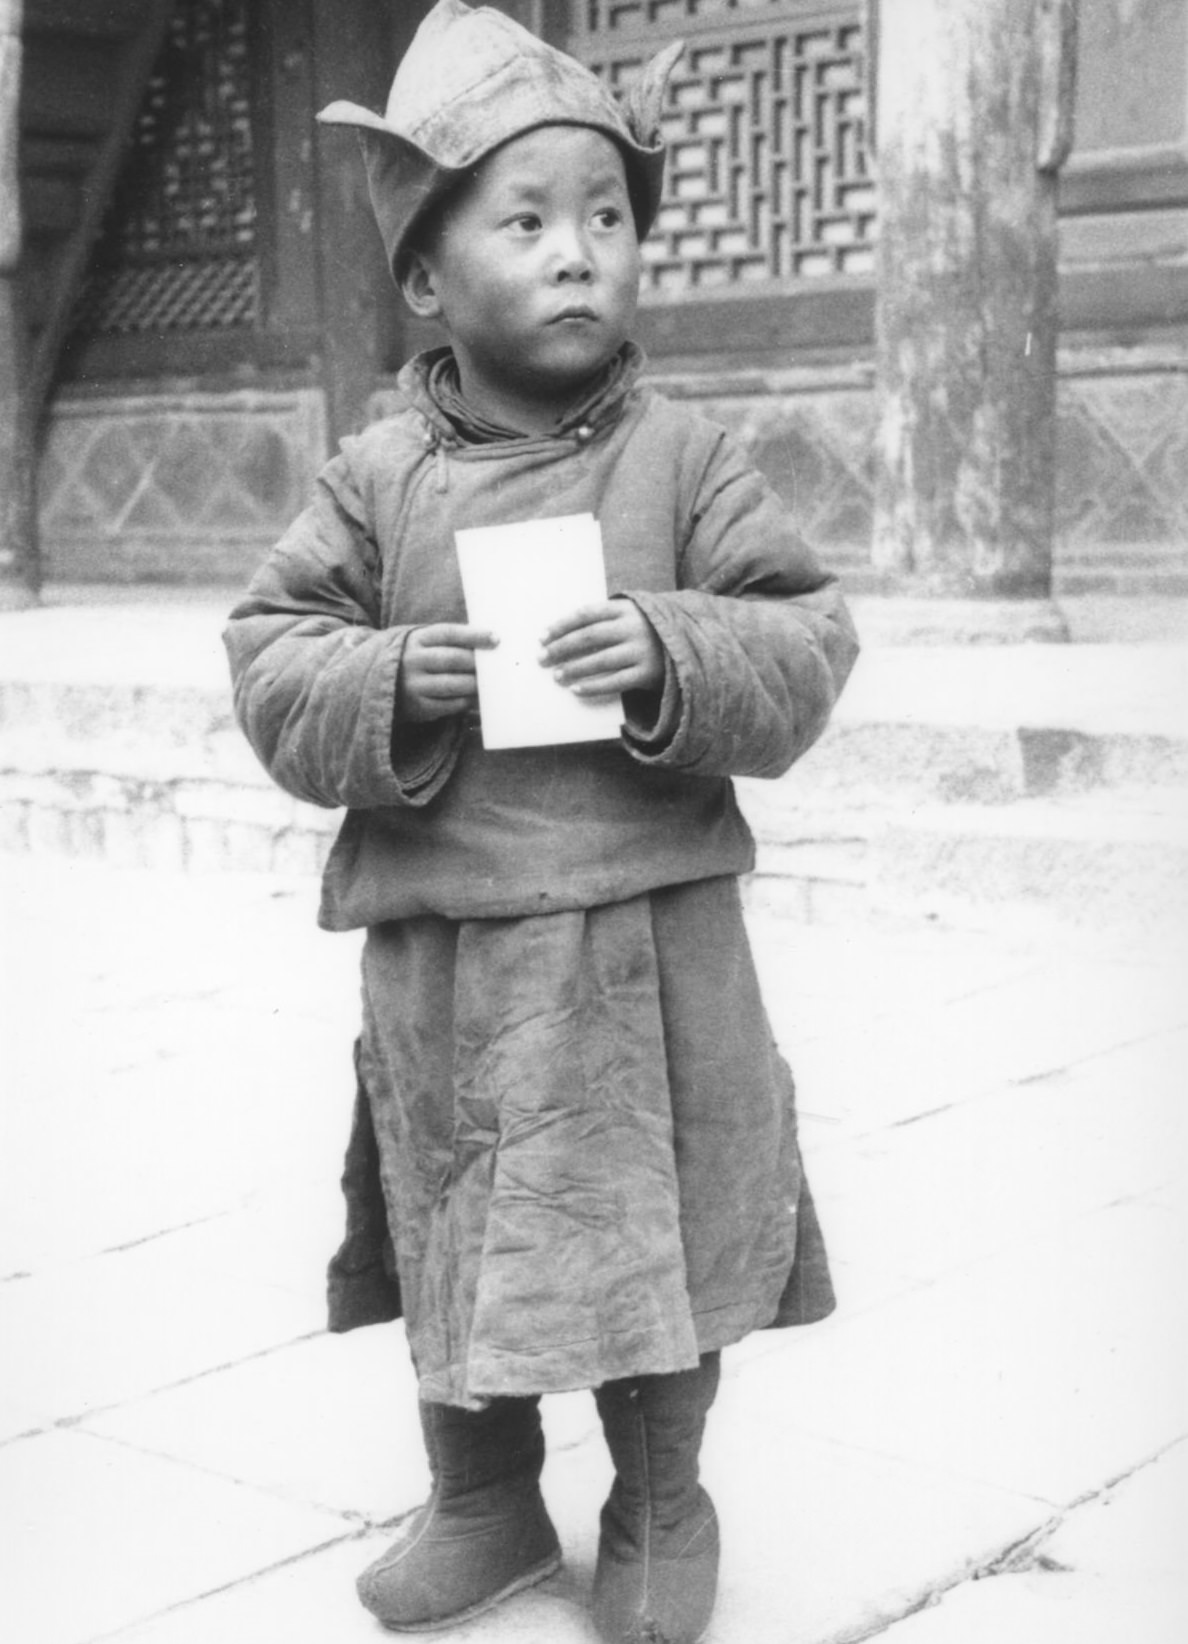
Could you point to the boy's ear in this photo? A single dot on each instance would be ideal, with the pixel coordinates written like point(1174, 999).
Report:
point(419, 289)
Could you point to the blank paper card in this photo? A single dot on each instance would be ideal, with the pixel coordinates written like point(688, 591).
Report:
point(519, 579)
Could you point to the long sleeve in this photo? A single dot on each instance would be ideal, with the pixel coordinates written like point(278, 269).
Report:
point(315, 675)
point(757, 639)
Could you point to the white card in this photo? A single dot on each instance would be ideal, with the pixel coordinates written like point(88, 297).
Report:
point(518, 579)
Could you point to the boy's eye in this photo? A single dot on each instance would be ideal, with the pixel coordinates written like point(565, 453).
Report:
point(608, 217)
point(524, 222)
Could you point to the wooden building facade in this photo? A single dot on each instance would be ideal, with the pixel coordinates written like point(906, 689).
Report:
point(233, 314)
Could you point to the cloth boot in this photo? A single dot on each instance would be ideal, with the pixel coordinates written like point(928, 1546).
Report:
point(657, 1572)
point(483, 1534)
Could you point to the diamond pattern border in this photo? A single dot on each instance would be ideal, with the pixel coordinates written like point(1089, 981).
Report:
point(187, 487)
point(194, 487)
point(1121, 480)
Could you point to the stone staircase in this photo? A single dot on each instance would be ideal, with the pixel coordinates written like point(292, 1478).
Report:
point(152, 776)
point(1018, 785)
point(977, 786)
point(974, 827)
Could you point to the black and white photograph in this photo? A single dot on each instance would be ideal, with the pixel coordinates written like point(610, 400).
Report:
point(594, 821)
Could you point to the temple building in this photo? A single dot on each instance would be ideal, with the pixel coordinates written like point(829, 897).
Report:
point(209, 308)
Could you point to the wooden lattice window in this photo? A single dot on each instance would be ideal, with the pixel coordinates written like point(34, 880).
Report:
point(767, 175)
point(178, 250)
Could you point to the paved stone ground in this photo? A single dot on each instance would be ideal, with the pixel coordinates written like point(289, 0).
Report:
point(998, 1139)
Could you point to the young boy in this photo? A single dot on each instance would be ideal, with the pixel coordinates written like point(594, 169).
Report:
point(586, 1137)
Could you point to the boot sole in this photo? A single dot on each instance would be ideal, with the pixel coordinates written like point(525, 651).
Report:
point(530, 1578)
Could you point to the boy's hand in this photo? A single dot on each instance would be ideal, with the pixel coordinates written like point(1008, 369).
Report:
point(605, 650)
point(437, 670)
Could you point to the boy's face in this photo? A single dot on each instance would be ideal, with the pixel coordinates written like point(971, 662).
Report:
point(535, 273)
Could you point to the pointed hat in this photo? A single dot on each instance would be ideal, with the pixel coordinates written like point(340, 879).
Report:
point(471, 80)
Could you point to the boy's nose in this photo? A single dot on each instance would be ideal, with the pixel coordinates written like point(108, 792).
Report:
point(572, 256)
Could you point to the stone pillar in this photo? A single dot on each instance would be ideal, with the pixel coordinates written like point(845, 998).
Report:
point(971, 111)
point(19, 573)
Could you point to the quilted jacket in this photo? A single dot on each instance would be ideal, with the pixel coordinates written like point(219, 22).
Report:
point(756, 638)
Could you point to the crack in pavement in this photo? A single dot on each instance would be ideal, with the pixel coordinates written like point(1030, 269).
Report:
point(1019, 1556)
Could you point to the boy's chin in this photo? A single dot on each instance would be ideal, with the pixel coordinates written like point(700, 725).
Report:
point(545, 385)
point(571, 370)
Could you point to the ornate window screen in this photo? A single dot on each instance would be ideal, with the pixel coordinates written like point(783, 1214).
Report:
point(178, 249)
point(767, 176)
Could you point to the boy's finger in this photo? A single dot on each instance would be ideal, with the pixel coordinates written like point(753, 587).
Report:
point(581, 618)
point(446, 660)
point(442, 686)
point(624, 679)
point(614, 659)
point(437, 635)
point(586, 641)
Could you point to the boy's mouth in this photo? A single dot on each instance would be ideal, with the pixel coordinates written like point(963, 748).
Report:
point(577, 312)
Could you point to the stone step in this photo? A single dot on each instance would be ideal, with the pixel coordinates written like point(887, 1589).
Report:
point(1114, 863)
point(1114, 857)
point(874, 763)
point(181, 716)
point(146, 812)
point(189, 730)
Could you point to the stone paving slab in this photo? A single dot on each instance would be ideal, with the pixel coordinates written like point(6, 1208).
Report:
point(911, 973)
point(918, 1060)
point(995, 1132)
point(310, 1601)
point(329, 1422)
point(993, 1174)
point(114, 1327)
point(179, 1017)
point(824, 1541)
point(1045, 1372)
point(1041, 1607)
point(94, 1536)
point(21, 1420)
point(1113, 1570)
